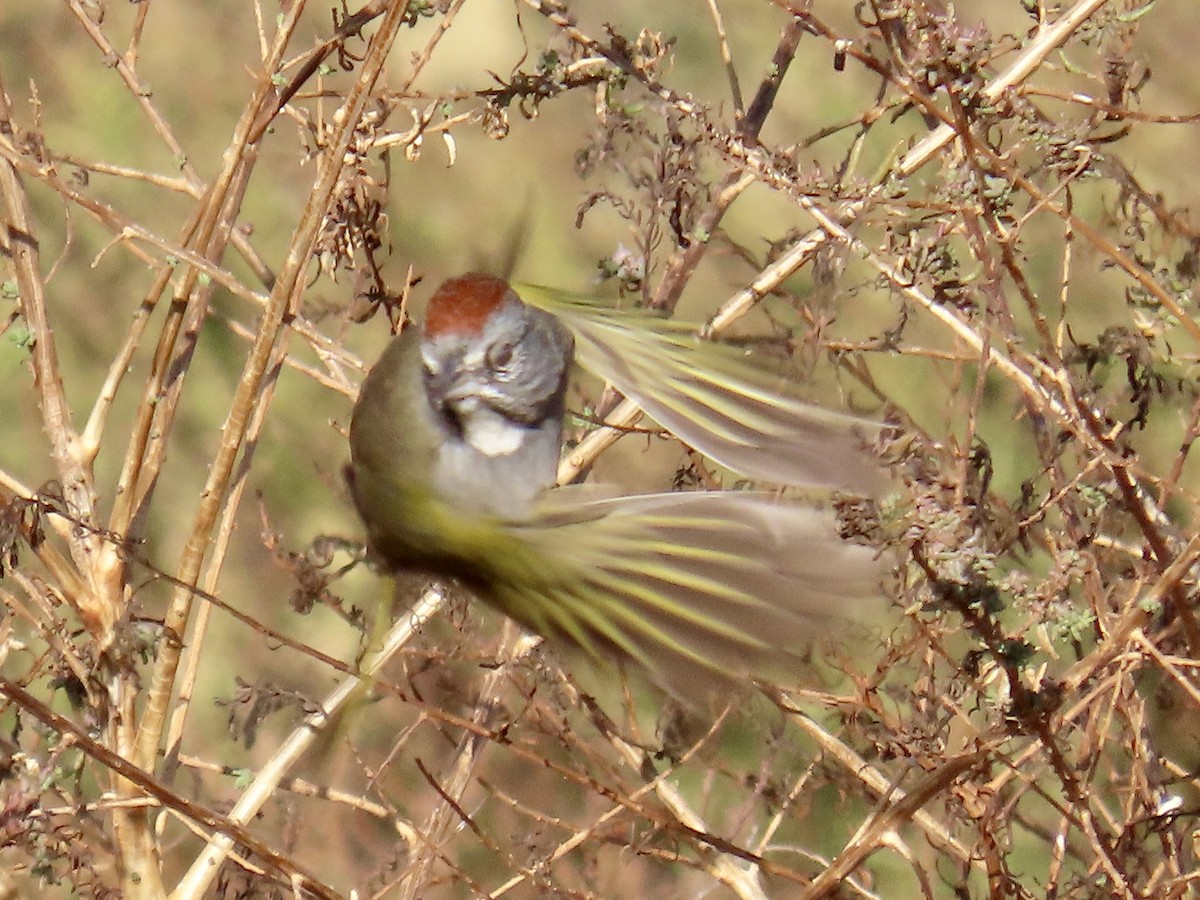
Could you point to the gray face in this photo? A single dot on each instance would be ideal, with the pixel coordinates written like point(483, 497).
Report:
point(490, 387)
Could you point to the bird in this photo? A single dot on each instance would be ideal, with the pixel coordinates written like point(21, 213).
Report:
point(455, 440)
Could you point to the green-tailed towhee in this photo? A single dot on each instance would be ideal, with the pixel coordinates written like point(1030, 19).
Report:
point(454, 446)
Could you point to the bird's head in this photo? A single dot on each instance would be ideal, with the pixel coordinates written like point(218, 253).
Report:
point(493, 366)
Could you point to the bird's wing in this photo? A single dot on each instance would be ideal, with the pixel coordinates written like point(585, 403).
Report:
point(716, 398)
point(702, 589)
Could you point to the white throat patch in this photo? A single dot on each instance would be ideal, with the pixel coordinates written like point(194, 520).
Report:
point(491, 433)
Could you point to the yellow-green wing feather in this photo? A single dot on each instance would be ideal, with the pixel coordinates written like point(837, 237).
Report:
point(718, 399)
point(699, 588)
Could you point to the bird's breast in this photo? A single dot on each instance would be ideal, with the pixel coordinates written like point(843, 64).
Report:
point(496, 468)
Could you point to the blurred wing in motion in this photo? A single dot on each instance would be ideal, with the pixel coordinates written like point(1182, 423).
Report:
point(701, 589)
point(716, 398)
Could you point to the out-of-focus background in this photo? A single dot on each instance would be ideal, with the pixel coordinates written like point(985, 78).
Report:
point(1020, 307)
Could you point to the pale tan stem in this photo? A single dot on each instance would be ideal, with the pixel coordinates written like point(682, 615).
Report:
point(198, 878)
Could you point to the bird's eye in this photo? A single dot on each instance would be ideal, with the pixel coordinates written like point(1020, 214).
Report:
point(500, 356)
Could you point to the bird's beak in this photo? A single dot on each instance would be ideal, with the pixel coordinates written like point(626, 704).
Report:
point(461, 387)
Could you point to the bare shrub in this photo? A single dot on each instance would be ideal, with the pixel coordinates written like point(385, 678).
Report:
point(971, 220)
